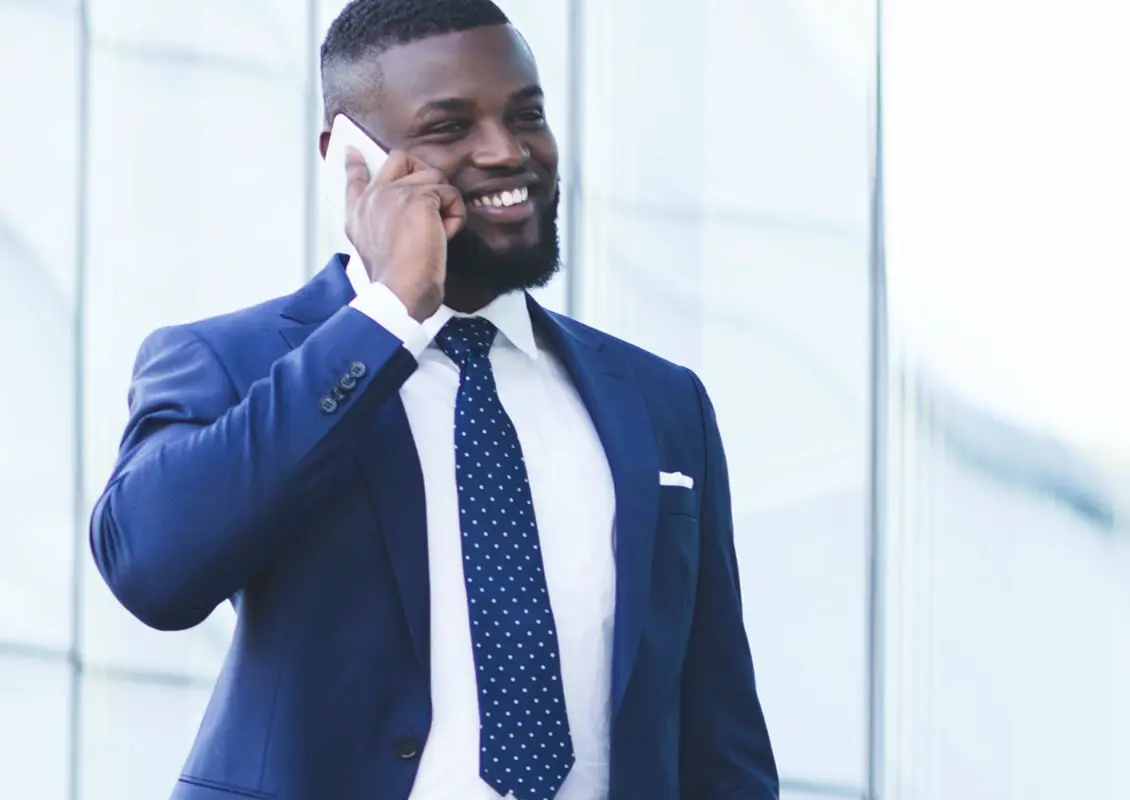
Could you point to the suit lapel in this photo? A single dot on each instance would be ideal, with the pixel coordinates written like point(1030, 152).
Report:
point(615, 404)
point(386, 456)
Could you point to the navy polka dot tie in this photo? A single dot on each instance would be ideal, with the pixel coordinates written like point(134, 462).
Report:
point(524, 744)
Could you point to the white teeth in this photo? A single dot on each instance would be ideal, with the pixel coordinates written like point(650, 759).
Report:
point(504, 199)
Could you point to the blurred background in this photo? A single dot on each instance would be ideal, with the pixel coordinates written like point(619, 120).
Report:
point(898, 260)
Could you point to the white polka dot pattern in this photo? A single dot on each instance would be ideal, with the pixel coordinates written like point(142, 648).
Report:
point(525, 747)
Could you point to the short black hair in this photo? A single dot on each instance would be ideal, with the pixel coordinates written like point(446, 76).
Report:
point(366, 28)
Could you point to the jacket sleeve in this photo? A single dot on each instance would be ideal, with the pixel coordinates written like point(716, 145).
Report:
point(724, 751)
point(197, 502)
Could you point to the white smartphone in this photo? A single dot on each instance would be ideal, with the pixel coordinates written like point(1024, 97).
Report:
point(345, 133)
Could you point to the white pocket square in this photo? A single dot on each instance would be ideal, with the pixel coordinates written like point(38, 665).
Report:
point(676, 479)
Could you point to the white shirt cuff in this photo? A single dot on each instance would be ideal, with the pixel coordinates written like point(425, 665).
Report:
point(377, 302)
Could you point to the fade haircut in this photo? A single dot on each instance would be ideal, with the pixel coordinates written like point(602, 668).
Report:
point(366, 28)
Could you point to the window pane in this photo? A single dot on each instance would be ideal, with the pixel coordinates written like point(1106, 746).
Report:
point(136, 737)
point(1009, 556)
point(38, 212)
point(35, 707)
point(814, 794)
point(726, 227)
point(266, 32)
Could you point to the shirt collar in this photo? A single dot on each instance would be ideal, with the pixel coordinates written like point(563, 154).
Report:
point(507, 312)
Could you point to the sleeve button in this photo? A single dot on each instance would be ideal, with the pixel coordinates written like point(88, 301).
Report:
point(327, 405)
point(406, 747)
point(357, 370)
point(347, 382)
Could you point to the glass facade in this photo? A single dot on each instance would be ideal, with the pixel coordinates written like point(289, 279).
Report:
point(1007, 555)
point(929, 468)
point(724, 225)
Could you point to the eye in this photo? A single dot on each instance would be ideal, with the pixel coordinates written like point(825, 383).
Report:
point(531, 116)
point(448, 129)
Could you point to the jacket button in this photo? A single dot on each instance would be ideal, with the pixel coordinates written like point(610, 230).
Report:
point(347, 382)
point(406, 747)
point(337, 394)
point(327, 405)
point(357, 370)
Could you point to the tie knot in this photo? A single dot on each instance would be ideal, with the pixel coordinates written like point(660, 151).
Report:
point(465, 337)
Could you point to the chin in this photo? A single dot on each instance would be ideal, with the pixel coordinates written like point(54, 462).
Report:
point(504, 242)
point(515, 247)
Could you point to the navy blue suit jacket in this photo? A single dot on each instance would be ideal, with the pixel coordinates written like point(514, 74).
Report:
point(237, 481)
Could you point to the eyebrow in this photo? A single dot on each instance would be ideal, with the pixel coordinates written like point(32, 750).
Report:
point(453, 104)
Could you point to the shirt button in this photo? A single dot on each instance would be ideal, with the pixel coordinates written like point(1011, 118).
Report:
point(357, 370)
point(406, 747)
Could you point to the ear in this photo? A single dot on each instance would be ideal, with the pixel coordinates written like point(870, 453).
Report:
point(324, 143)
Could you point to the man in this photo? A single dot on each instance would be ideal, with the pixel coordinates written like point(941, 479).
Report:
point(476, 549)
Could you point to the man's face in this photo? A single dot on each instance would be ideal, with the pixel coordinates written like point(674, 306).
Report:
point(470, 105)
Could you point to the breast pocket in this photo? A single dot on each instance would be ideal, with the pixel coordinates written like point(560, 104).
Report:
point(678, 500)
point(676, 556)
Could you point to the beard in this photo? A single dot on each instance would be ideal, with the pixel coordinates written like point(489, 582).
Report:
point(477, 265)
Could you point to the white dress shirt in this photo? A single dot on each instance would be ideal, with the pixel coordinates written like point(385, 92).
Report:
point(574, 506)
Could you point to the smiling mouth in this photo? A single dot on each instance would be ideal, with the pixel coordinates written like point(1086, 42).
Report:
point(503, 199)
point(506, 207)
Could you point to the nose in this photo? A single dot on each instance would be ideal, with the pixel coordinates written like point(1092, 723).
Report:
point(498, 148)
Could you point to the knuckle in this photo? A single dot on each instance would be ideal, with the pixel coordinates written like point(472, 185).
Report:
point(423, 192)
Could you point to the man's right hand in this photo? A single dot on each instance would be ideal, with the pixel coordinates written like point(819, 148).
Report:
point(400, 222)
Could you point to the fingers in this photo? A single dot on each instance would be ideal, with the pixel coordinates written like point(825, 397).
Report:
point(356, 177)
point(400, 165)
point(413, 171)
point(425, 177)
point(452, 209)
point(401, 168)
point(411, 175)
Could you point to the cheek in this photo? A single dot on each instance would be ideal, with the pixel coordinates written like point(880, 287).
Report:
point(439, 157)
point(543, 151)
